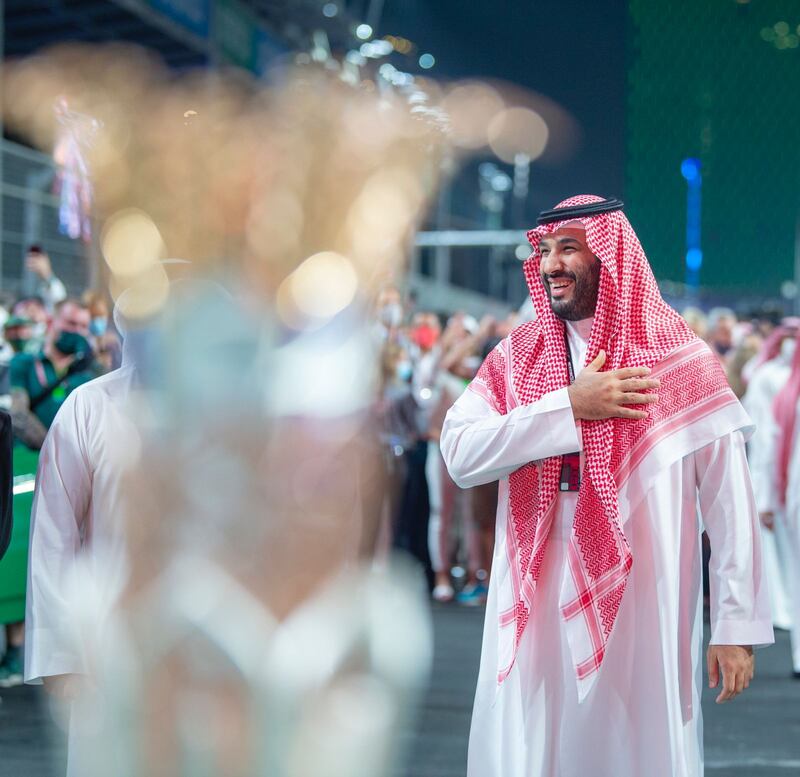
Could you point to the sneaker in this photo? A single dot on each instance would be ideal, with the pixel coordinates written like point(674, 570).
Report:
point(443, 593)
point(11, 668)
point(473, 595)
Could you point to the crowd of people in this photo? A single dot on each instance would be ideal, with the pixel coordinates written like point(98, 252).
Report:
point(426, 363)
point(51, 344)
point(758, 354)
point(427, 360)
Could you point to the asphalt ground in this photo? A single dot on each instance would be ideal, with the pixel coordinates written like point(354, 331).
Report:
point(758, 735)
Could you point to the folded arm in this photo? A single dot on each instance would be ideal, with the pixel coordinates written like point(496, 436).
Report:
point(480, 445)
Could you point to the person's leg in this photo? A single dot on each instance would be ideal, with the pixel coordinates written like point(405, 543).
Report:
point(474, 591)
point(470, 534)
point(11, 668)
point(402, 506)
point(433, 474)
point(420, 510)
point(412, 518)
point(774, 562)
point(485, 514)
point(443, 591)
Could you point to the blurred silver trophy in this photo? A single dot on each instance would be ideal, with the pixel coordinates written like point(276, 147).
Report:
point(231, 619)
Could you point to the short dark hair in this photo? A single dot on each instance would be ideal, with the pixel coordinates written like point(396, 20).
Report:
point(59, 306)
point(29, 298)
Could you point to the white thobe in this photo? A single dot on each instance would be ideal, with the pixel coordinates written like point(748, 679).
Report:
point(77, 563)
point(643, 716)
point(789, 541)
point(764, 385)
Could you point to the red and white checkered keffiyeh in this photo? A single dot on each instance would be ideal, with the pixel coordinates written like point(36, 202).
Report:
point(635, 327)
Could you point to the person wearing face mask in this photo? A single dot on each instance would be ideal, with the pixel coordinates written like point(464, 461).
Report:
point(405, 444)
point(389, 314)
point(39, 385)
point(18, 332)
point(41, 382)
point(105, 343)
point(33, 310)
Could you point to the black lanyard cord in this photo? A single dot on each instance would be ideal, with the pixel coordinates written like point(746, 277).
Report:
point(570, 366)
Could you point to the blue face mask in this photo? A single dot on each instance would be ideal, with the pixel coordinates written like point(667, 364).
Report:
point(98, 326)
point(404, 370)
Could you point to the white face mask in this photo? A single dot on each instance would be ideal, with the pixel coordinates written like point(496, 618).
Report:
point(392, 314)
point(787, 348)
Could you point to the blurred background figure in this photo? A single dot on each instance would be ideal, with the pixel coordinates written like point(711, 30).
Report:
point(40, 382)
point(464, 515)
point(782, 514)
point(721, 322)
point(104, 340)
point(696, 320)
point(39, 385)
point(768, 376)
point(33, 309)
point(746, 343)
point(390, 314)
point(406, 449)
point(46, 285)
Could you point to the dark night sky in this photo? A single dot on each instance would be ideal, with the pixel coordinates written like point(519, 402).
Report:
point(572, 51)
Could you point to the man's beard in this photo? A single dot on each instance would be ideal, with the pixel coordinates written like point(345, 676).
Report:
point(583, 301)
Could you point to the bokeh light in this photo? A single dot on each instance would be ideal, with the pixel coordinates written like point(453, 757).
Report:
point(131, 243)
point(518, 131)
point(471, 107)
point(363, 32)
point(323, 285)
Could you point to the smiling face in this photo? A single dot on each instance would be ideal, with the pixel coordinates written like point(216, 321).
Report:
point(570, 272)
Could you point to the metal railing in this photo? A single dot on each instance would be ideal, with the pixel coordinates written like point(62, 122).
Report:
point(30, 216)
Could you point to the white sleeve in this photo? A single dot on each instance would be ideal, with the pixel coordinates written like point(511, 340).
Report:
point(60, 506)
point(480, 445)
point(792, 505)
point(52, 291)
point(762, 449)
point(740, 609)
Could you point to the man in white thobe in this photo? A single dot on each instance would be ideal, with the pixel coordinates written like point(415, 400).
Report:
point(765, 382)
point(785, 468)
point(591, 659)
point(77, 562)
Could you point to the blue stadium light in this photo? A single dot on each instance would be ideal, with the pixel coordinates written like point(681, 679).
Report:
point(694, 259)
point(690, 169)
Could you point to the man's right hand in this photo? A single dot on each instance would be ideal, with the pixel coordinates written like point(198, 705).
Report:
point(596, 395)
